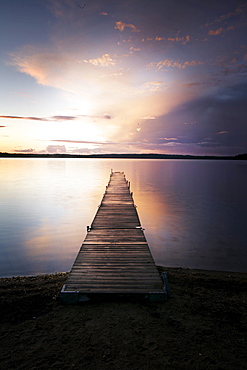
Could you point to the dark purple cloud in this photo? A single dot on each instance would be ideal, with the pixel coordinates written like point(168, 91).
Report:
point(216, 121)
point(61, 118)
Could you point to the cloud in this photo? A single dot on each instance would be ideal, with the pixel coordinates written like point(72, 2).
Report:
point(210, 124)
point(192, 84)
point(237, 11)
point(103, 13)
point(231, 65)
point(61, 118)
point(206, 144)
point(124, 41)
point(106, 116)
point(56, 118)
point(154, 83)
point(169, 63)
point(59, 9)
point(83, 142)
point(225, 17)
point(40, 63)
point(81, 151)
point(104, 61)
point(103, 117)
point(169, 138)
point(148, 117)
point(157, 38)
point(24, 150)
point(121, 26)
point(189, 123)
point(44, 119)
point(184, 40)
point(216, 32)
point(132, 49)
point(56, 149)
point(152, 86)
point(26, 118)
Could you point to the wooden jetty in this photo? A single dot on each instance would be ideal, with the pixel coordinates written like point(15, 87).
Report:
point(114, 259)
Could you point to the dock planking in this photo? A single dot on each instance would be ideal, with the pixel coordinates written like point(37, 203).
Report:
point(114, 259)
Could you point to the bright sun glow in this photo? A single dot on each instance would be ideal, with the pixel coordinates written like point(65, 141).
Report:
point(135, 77)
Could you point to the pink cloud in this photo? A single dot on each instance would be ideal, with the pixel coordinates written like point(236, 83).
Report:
point(184, 40)
point(41, 64)
point(216, 32)
point(104, 61)
point(157, 38)
point(168, 63)
point(121, 26)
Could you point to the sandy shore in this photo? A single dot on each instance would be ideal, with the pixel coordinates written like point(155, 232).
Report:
point(203, 326)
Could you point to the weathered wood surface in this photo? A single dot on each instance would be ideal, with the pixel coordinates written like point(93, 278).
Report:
point(115, 256)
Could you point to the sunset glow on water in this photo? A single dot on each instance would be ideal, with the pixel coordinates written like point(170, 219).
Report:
point(193, 212)
point(123, 77)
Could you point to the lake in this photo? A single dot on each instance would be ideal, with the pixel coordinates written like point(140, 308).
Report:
point(194, 212)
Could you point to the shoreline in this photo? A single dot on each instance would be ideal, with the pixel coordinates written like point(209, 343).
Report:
point(242, 156)
point(160, 268)
point(203, 325)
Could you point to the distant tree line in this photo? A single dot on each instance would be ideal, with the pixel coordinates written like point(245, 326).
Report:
point(130, 156)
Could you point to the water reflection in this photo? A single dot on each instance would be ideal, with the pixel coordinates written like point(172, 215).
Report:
point(193, 212)
point(46, 205)
point(199, 214)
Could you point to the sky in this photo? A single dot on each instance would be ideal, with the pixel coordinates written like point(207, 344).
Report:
point(90, 76)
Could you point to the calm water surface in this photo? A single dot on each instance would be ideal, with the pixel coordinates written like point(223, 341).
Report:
point(194, 212)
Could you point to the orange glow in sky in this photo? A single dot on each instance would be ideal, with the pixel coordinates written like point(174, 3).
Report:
point(123, 77)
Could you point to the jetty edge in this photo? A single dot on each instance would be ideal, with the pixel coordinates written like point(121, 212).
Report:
point(114, 261)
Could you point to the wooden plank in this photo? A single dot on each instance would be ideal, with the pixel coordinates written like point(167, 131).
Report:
point(117, 272)
point(115, 257)
point(93, 288)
